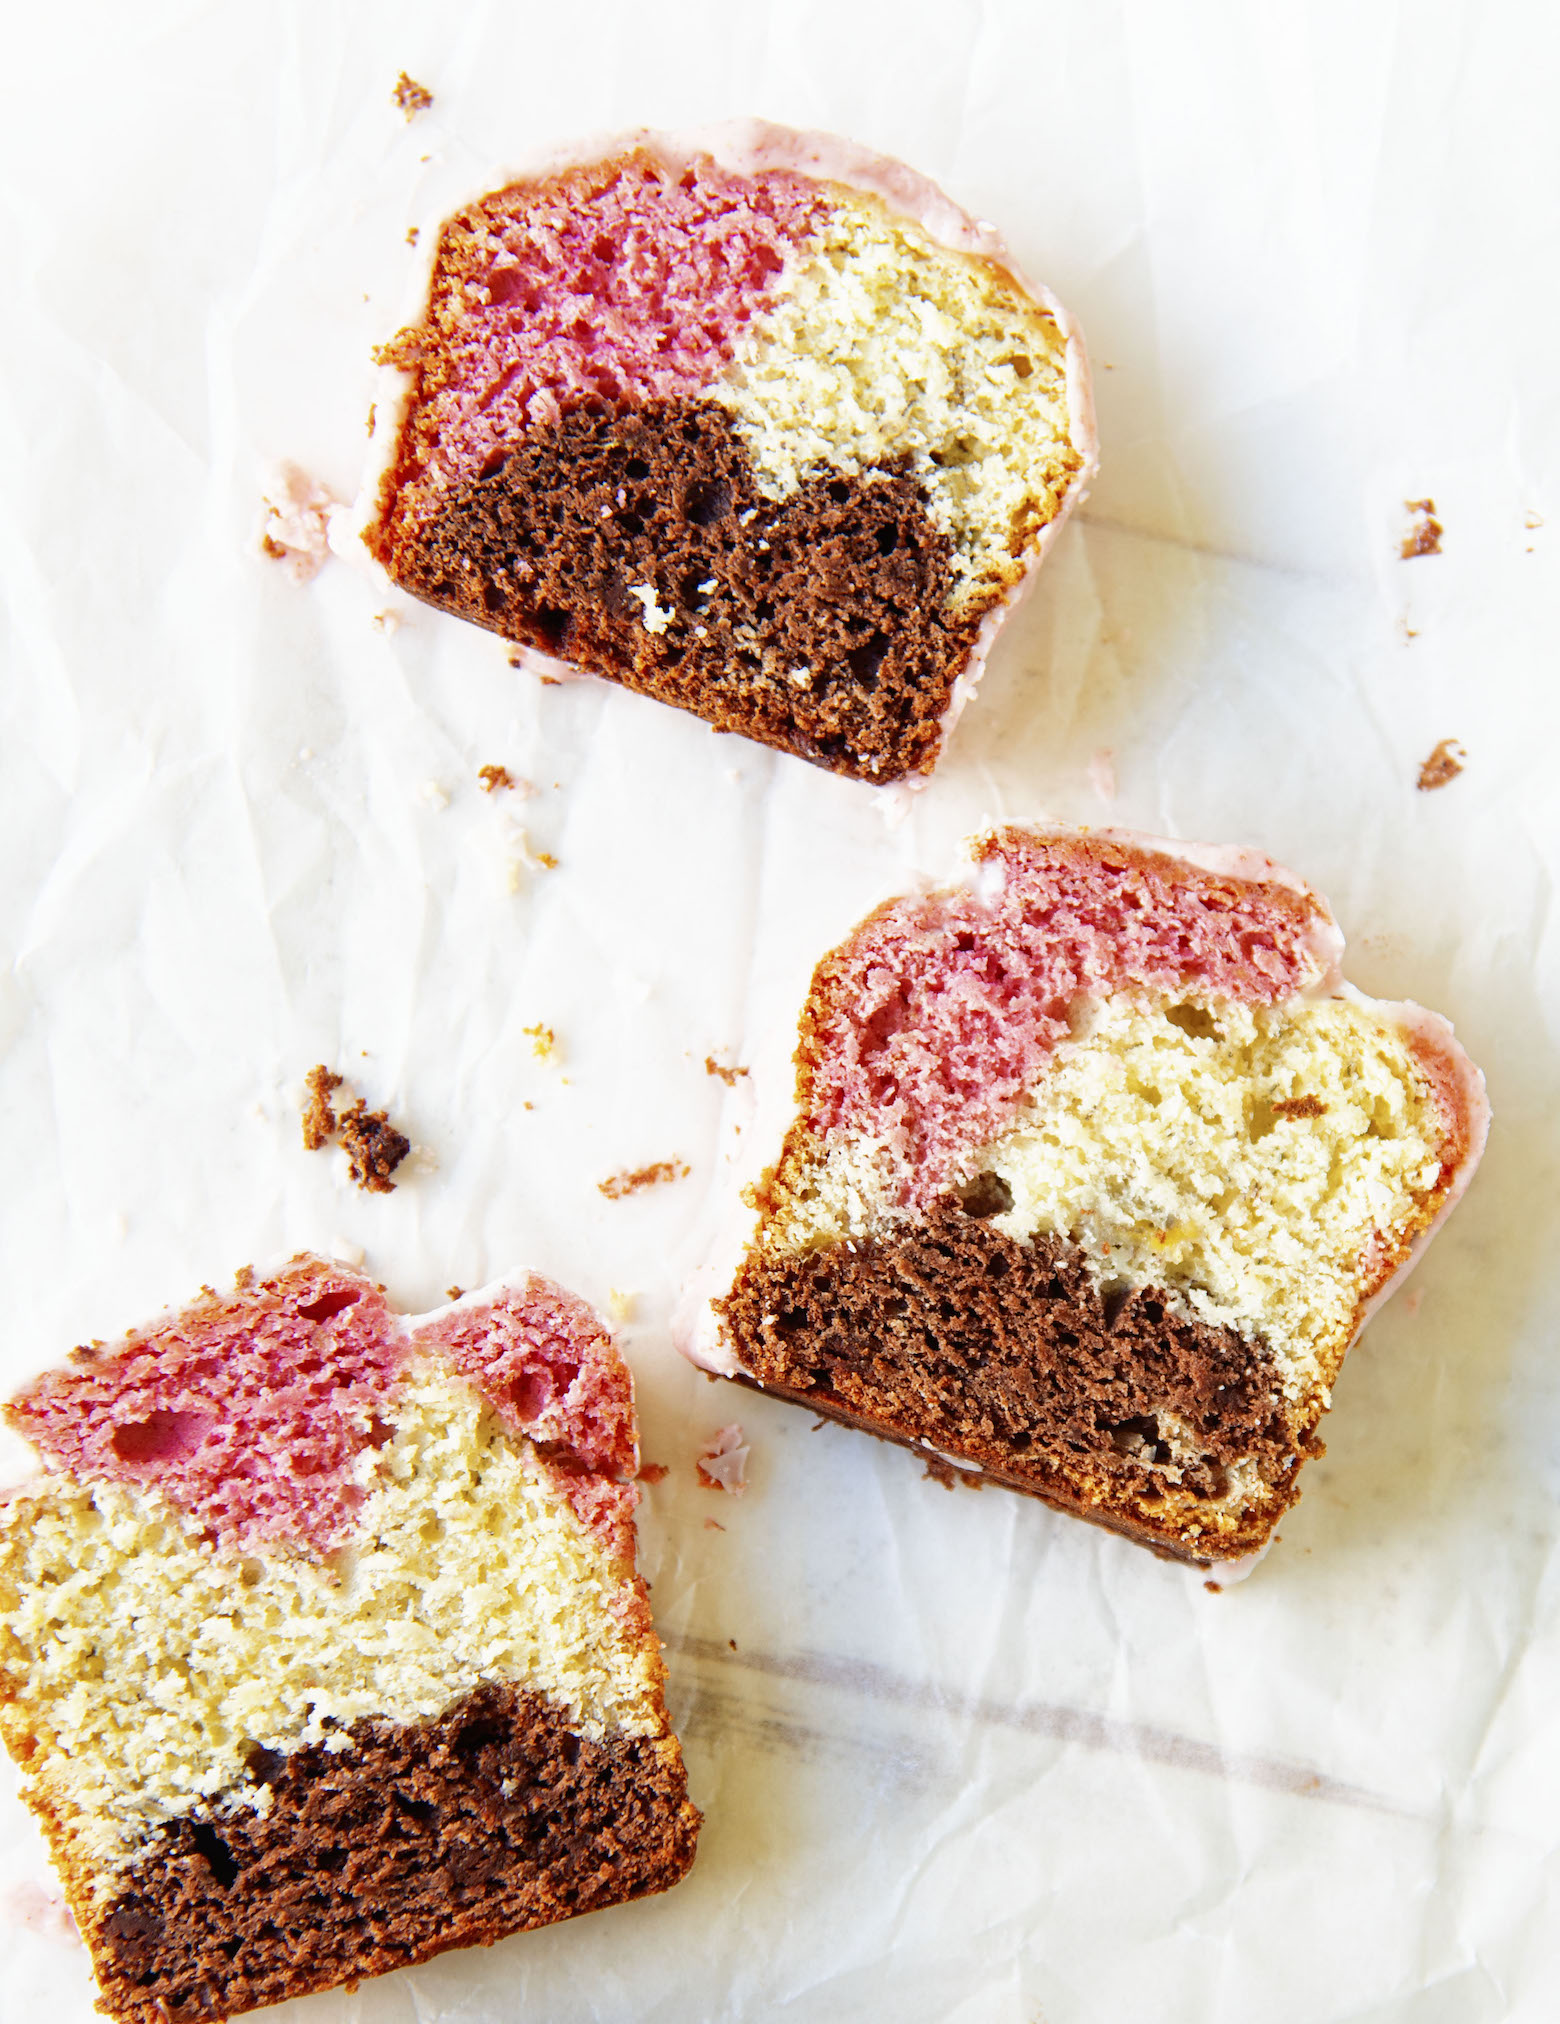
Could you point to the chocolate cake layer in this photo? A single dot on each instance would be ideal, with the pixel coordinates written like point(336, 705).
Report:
point(817, 624)
point(1010, 1356)
point(495, 1817)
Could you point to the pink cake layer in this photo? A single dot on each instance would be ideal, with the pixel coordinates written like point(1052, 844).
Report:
point(624, 282)
point(941, 1007)
point(250, 1411)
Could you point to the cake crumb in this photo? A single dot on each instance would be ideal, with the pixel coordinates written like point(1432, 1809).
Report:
point(297, 516)
point(653, 1472)
point(619, 1185)
point(434, 794)
point(729, 1076)
point(1424, 531)
point(1213, 1588)
point(546, 860)
point(713, 1525)
point(386, 622)
point(411, 97)
point(454, 1292)
point(1444, 764)
point(319, 1118)
point(493, 778)
point(1300, 1106)
point(951, 1478)
point(722, 1464)
point(373, 412)
point(544, 1042)
point(620, 1305)
point(413, 234)
point(373, 1146)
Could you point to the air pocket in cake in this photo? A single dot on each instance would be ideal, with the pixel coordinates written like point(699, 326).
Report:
point(753, 422)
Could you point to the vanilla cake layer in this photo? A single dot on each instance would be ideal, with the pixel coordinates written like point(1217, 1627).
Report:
point(1099, 1168)
point(756, 423)
point(219, 1685)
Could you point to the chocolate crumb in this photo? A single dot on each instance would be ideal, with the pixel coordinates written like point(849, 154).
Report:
point(729, 1076)
point(373, 1146)
point(652, 1472)
point(1300, 1106)
point(732, 1642)
point(1444, 764)
point(623, 1184)
point(319, 1119)
point(1425, 531)
point(939, 1471)
point(494, 777)
point(412, 97)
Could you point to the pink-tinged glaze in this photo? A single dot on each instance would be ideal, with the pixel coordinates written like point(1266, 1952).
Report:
point(931, 1019)
point(248, 1411)
point(625, 282)
point(548, 1369)
point(251, 1412)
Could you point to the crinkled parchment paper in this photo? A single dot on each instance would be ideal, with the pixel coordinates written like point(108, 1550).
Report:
point(961, 1759)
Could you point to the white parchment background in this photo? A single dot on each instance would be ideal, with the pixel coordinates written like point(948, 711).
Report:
point(961, 1759)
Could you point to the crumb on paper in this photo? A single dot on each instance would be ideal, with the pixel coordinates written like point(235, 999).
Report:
point(630, 1183)
point(373, 1146)
point(495, 778)
point(620, 1305)
point(1444, 764)
point(1300, 1106)
point(297, 521)
point(436, 795)
point(373, 411)
point(454, 1292)
point(319, 1116)
point(546, 860)
point(1424, 530)
point(411, 97)
point(732, 1642)
point(1531, 520)
point(730, 1076)
point(386, 622)
point(713, 1525)
point(722, 1464)
point(547, 681)
point(951, 1478)
point(653, 1472)
point(413, 234)
point(29, 1904)
point(544, 1042)
point(1213, 1588)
